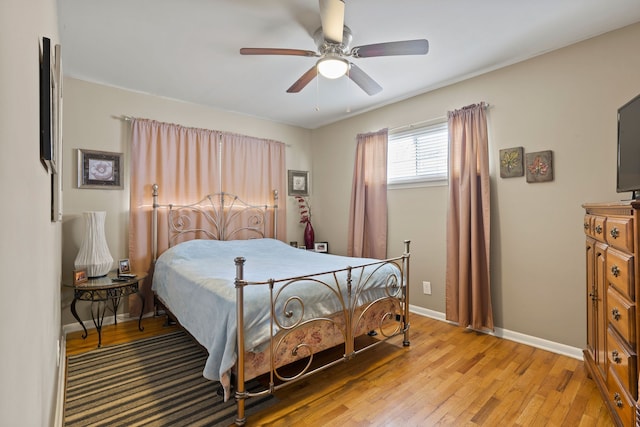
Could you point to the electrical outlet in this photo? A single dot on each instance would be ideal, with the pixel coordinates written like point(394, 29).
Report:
point(426, 288)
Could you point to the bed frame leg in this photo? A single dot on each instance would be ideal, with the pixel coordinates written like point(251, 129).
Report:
point(241, 393)
point(406, 342)
point(405, 319)
point(240, 417)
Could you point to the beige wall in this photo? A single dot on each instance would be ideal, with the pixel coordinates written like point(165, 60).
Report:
point(93, 120)
point(30, 242)
point(565, 101)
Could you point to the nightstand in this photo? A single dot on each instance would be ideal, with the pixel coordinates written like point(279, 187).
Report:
point(105, 293)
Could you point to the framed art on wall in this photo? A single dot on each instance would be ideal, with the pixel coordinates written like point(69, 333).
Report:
point(511, 161)
point(99, 169)
point(47, 79)
point(298, 183)
point(539, 166)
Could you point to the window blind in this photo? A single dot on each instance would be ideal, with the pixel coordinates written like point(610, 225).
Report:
point(418, 154)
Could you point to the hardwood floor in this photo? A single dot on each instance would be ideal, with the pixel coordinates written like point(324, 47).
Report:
point(116, 334)
point(447, 377)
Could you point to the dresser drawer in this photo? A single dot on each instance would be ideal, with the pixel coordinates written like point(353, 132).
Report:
point(588, 225)
point(621, 401)
point(619, 233)
point(598, 228)
point(619, 271)
point(623, 362)
point(621, 316)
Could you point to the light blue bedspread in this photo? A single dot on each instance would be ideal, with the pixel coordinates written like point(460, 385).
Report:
point(196, 281)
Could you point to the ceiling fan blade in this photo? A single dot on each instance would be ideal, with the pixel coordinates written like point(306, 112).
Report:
point(332, 18)
point(363, 80)
point(406, 47)
point(304, 80)
point(276, 51)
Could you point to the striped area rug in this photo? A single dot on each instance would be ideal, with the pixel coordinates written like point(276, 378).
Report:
point(155, 381)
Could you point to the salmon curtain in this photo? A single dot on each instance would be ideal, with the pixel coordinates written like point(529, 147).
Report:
point(368, 211)
point(468, 290)
point(252, 168)
point(187, 164)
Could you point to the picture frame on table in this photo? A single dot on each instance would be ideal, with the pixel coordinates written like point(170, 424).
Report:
point(100, 169)
point(298, 183)
point(80, 276)
point(124, 267)
point(321, 247)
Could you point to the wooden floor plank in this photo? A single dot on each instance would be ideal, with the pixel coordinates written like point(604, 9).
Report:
point(447, 377)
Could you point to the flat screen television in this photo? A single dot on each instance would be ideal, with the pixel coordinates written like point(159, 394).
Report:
point(628, 176)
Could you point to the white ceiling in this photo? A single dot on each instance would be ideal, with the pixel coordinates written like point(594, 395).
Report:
point(189, 49)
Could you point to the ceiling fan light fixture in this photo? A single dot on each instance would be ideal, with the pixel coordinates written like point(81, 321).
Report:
point(332, 66)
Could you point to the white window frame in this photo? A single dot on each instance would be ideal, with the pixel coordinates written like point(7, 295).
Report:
point(426, 134)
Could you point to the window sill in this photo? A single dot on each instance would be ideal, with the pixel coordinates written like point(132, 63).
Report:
point(416, 184)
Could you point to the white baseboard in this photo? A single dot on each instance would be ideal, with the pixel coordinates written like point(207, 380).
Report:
point(540, 343)
point(108, 320)
point(62, 368)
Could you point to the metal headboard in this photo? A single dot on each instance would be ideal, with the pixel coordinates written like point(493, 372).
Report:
point(217, 216)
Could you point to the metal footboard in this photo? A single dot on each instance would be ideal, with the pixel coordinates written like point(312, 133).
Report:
point(287, 318)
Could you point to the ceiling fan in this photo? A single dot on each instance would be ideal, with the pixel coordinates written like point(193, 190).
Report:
point(333, 39)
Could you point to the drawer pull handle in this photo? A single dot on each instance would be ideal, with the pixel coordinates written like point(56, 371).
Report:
point(586, 225)
point(616, 357)
point(615, 271)
point(615, 313)
point(617, 399)
point(599, 229)
point(614, 232)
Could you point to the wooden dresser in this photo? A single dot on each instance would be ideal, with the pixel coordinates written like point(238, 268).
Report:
point(612, 254)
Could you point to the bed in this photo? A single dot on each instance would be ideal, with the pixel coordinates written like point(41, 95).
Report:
point(261, 307)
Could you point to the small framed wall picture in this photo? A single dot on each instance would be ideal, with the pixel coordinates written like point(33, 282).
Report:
point(539, 166)
point(511, 161)
point(298, 183)
point(124, 267)
point(99, 169)
point(47, 82)
point(321, 247)
point(79, 276)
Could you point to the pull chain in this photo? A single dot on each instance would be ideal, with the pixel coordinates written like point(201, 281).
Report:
point(317, 91)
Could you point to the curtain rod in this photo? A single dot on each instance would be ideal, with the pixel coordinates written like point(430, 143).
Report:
point(417, 124)
point(435, 119)
point(131, 118)
point(486, 106)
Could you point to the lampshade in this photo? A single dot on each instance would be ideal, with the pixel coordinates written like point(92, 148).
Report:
point(94, 255)
point(332, 66)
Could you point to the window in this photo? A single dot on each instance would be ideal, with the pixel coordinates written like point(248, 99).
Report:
point(418, 155)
